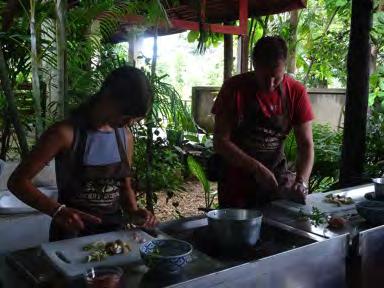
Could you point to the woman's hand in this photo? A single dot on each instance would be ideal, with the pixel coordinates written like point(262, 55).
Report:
point(74, 220)
point(144, 218)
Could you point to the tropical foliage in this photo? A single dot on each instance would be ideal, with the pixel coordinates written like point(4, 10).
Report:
point(317, 38)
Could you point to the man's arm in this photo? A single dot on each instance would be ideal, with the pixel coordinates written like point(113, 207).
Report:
point(305, 151)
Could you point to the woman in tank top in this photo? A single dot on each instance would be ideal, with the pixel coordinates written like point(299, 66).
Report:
point(93, 151)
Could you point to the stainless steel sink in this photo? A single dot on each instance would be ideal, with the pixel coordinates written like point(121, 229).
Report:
point(284, 257)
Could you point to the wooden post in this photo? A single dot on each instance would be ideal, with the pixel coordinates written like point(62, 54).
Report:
point(228, 55)
point(149, 154)
point(131, 50)
point(353, 150)
point(243, 7)
point(244, 53)
point(61, 56)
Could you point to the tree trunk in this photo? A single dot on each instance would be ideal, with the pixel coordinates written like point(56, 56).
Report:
point(10, 98)
point(5, 138)
point(149, 154)
point(61, 56)
point(373, 60)
point(228, 55)
point(35, 71)
point(292, 41)
point(354, 138)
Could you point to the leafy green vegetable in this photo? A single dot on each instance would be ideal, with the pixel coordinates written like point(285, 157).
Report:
point(316, 217)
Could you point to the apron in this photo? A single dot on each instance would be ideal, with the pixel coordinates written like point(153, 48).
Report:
point(262, 138)
point(91, 189)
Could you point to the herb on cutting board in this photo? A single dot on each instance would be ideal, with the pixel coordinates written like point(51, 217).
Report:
point(99, 251)
point(316, 217)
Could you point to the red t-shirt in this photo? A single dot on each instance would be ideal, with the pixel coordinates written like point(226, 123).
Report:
point(237, 90)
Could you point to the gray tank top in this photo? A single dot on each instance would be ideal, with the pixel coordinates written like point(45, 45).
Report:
point(101, 147)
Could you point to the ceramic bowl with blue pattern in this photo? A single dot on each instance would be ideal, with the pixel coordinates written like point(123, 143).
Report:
point(166, 255)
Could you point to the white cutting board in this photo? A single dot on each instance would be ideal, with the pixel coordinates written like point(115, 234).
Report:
point(73, 263)
point(317, 200)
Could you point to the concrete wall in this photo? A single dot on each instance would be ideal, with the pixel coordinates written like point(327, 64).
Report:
point(327, 104)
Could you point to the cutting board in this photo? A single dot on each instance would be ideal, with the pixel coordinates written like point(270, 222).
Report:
point(70, 259)
point(317, 200)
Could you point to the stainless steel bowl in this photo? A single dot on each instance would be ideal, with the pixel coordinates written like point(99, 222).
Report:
point(379, 187)
point(235, 228)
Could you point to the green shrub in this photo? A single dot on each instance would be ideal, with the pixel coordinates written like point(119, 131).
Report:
point(327, 142)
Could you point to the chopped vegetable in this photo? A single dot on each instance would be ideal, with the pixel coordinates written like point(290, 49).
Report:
point(100, 250)
point(336, 222)
point(338, 200)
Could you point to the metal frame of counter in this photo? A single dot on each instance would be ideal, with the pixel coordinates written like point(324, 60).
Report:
point(365, 263)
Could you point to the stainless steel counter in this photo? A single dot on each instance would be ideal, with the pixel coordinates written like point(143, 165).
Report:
point(311, 256)
point(313, 262)
point(286, 257)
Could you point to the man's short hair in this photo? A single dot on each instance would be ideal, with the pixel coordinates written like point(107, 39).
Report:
point(269, 50)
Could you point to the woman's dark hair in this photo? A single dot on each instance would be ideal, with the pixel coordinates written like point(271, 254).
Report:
point(129, 87)
point(269, 50)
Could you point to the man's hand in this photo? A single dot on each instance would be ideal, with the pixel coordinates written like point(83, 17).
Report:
point(74, 220)
point(298, 193)
point(265, 177)
point(144, 218)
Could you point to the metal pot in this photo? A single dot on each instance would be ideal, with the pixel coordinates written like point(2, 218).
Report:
point(379, 187)
point(235, 228)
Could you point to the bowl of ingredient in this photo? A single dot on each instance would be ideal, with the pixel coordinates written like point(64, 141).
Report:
point(102, 277)
point(166, 255)
point(372, 211)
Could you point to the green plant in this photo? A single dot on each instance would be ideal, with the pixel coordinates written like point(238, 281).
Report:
point(197, 170)
point(327, 142)
point(167, 168)
point(374, 166)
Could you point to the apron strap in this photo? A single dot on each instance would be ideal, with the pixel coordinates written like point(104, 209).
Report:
point(81, 143)
point(284, 99)
point(122, 152)
point(240, 102)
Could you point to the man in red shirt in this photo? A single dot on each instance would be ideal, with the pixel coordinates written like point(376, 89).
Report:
point(254, 112)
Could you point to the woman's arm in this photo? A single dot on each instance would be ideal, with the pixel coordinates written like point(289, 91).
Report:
point(53, 141)
point(128, 196)
point(57, 138)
